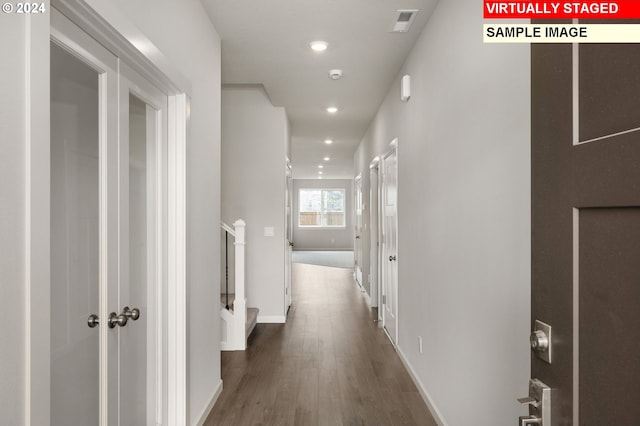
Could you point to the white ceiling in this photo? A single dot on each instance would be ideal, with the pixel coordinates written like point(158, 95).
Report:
point(267, 42)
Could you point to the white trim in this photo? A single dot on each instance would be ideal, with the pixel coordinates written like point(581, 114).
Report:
point(324, 249)
point(575, 63)
point(176, 243)
point(271, 319)
point(123, 38)
point(437, 415)
point(207, 409)
point(37, 277)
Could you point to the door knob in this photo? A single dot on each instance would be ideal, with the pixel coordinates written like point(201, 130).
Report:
point(392, 258)
point(115, 319)
point(93, 321)
point(133, 314)
point(529, 420)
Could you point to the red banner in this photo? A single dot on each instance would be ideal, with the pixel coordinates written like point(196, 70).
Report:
point(519, 9)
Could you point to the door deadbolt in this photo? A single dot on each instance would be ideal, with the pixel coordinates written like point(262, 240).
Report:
point(540, 341)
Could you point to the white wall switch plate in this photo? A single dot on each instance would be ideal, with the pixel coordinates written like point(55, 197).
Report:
point(269, 231)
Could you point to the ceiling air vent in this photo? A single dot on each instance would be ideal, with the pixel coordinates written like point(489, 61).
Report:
point(404, 19)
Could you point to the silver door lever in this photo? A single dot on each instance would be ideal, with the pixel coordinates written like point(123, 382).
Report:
point(529, 401)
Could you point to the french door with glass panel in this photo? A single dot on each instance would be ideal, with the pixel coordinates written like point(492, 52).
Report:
point(108, 151)
point(388, 198)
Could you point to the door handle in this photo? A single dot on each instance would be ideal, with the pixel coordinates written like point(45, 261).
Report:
point(115, 319)
point(539, 402)
point(93, 321)
point(529, 420)
point(392, 258)
point(132, 314)
point(357, 237)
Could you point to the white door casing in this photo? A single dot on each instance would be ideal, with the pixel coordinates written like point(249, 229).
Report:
point(288, 248)
point(374, 235)
point(358, 229)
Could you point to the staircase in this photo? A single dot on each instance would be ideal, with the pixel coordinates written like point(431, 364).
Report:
point(238, 321)
point(252, 313)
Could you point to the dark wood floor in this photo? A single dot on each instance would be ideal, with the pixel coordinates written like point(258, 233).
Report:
point(328, 365)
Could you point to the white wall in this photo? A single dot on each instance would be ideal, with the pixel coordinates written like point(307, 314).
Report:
point(183, 33)
point(323, 238)
point(255, 140)
point(464, 215)
point(12, 220)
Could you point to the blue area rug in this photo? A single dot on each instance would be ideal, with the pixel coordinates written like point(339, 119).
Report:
point(334, 259)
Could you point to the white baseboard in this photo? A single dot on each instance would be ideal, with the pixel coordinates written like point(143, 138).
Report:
point(366, 297)
point(437, 415)
point(207, 410)
point(324, 249)
point(271, 319)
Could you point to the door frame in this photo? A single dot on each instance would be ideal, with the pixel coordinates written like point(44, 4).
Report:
point(288, 238)
point(109, 27)
point(374, 236)
point(392, 149)
point(357, 234)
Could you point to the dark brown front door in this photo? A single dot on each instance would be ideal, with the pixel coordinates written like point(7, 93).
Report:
point(586, 229)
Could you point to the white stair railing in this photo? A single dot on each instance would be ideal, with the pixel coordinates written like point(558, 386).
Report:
point(233, 331)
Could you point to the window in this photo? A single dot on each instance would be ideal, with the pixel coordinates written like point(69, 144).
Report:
point(321, 208)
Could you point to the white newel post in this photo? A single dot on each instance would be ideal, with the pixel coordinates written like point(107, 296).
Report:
point(240, 306)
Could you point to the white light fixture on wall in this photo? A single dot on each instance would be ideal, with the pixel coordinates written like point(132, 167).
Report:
point(405, 88)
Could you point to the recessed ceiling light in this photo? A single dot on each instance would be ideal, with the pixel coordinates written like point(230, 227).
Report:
point(320, 166)
point(328, 141)
point(327, 158)
point(318, 45)
point(332, 110)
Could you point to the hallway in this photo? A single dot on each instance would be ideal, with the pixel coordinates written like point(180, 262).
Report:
point(328, 365)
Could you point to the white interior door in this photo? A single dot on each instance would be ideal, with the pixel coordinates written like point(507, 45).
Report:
point(389, 191)
point(108, 144)
point(358, 229)
point(76, 160)
point(143, 121)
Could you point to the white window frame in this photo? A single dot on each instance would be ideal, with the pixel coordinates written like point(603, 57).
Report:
point(322, 211)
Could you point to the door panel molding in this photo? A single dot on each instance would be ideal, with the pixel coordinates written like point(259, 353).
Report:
point(579, 188)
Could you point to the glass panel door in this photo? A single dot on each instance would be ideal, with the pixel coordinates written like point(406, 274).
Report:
point(75, 232)
point(142, 146)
